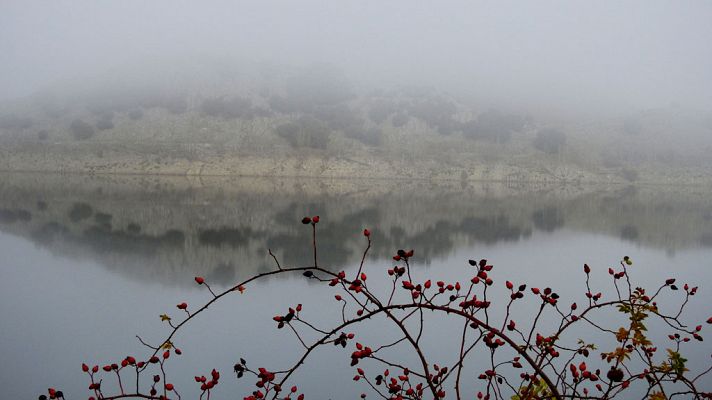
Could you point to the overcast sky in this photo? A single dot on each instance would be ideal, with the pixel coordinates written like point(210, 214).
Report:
point(598, 54)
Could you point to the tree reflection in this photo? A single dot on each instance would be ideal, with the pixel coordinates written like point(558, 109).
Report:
point(223, 230)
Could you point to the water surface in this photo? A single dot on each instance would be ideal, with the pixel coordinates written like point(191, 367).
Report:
point(89, 262)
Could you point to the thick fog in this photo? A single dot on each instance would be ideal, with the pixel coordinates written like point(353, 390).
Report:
point(560, 55)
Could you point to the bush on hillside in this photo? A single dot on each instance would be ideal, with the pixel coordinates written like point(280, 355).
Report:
point(307, 131)
point(81, 130)
point(368, 136)
point(550, 141)
point(493, 126)
point(236, 107)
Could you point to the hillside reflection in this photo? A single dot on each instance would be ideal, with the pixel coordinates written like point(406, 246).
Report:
point(168, 229)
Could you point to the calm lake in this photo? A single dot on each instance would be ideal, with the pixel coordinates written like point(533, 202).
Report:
point(89, 262)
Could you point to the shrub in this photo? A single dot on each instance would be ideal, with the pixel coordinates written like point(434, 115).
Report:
point(81, 130)
point(338, 116)
point(550, 141)
point(493, 126)
point(399, 119)
point(437, 113)
point(236, 107)
point(523, 359)
point(367, 136)
point(104, 124)
point(305, 132)
point(175, 105)
point(136, 114)
point(319, 86)
point(380, 109)
point(286, 105)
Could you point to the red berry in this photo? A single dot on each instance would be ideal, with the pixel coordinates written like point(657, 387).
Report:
point(182, 306)
point(200, 280)
point(366, 233)
point(315, 219)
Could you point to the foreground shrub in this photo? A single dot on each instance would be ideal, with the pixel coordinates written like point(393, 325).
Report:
point(523, 358)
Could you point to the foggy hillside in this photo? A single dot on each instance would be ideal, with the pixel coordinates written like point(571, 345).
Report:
point(613, 92)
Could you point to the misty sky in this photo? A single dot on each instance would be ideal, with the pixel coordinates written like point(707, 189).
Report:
point(597, 54)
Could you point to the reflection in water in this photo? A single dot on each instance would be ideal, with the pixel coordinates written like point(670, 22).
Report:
point(10, 216)
point(160, 232)
point(548, 219)
point(147, 228)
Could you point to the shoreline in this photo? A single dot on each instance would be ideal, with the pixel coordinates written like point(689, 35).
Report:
point(396, 178)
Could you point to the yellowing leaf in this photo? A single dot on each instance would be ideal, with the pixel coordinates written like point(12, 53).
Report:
point(165, 317)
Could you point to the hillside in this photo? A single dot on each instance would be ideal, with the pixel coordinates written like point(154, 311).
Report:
point(315, 122)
